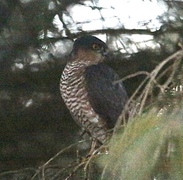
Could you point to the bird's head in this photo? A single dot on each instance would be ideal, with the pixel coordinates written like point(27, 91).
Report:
point(89, 49)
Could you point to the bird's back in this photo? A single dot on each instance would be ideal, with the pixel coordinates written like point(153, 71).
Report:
point(106, 97)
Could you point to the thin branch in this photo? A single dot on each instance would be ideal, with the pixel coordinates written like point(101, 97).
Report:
point(42, 168)
point(131, 76)
point(112, 32)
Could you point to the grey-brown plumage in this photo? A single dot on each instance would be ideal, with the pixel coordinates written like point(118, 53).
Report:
point(88, 90)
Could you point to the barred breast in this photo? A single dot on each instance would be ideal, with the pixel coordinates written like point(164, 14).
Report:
point(75, 95)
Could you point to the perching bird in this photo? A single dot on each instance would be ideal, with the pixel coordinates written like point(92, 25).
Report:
point(88, 90)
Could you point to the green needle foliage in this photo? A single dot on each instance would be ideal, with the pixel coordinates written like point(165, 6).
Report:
point(151, 144)
point(150, 147)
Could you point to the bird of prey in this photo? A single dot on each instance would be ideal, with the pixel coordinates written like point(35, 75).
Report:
point(88, 89)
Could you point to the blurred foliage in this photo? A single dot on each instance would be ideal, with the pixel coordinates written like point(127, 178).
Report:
point(34, 122)
point(150, 148)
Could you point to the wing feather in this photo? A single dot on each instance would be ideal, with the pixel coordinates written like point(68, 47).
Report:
point(107, 99)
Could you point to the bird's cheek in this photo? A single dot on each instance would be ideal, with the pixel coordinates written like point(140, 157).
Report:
point(99, 58)
point(95, 59)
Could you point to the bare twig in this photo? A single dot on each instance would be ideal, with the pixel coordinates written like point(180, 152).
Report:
point(136, 106)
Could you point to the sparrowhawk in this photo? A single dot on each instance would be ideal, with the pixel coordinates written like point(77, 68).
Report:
point(88, 89)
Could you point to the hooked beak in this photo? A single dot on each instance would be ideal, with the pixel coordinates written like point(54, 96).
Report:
point(105, 53)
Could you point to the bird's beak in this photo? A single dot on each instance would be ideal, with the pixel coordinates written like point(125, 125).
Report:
point(105, 53)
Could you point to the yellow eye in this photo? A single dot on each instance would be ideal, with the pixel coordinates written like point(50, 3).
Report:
point(95, 47)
